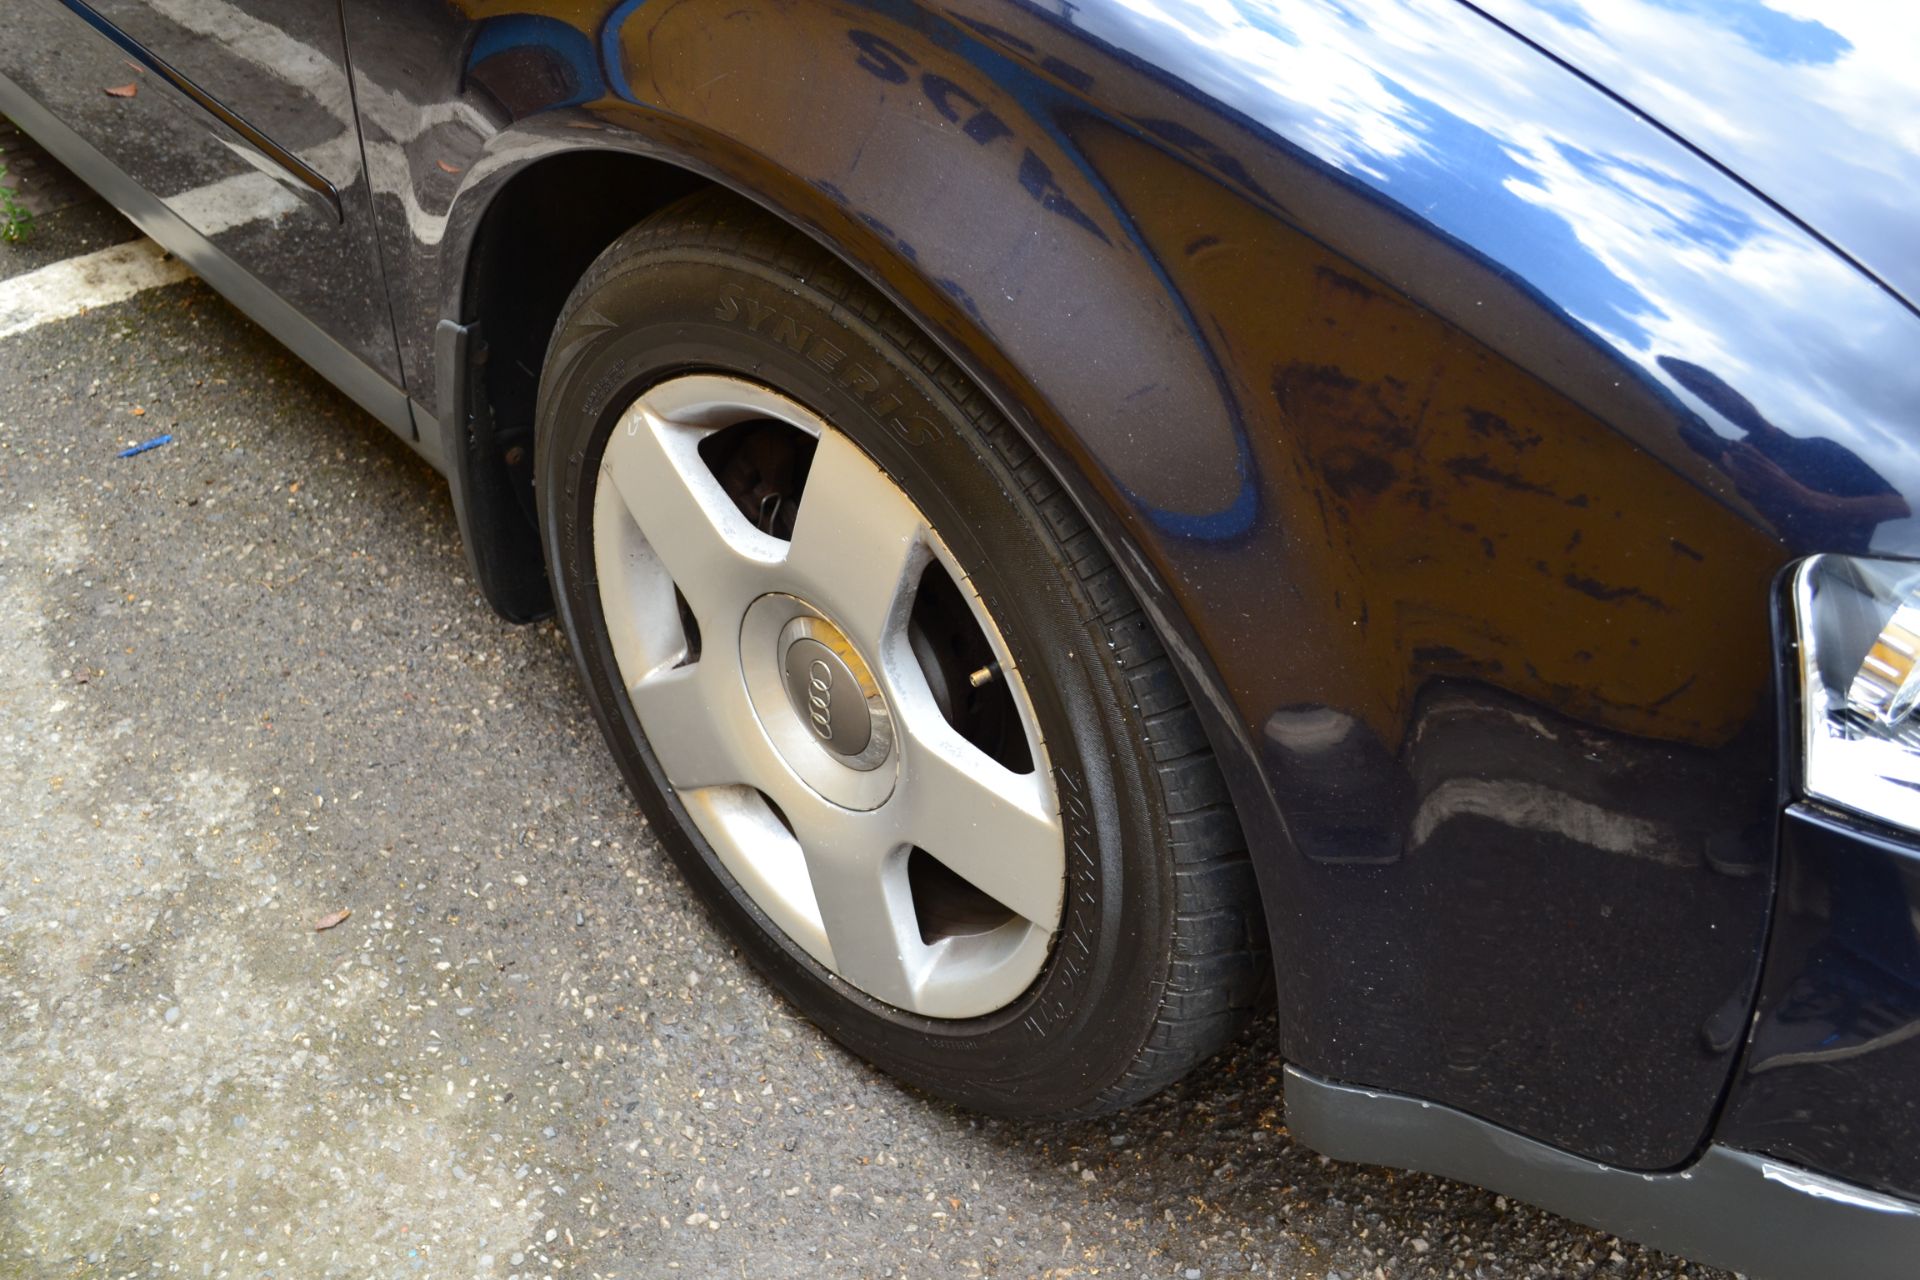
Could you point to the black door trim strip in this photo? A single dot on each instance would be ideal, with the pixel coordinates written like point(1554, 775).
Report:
point(182, 83)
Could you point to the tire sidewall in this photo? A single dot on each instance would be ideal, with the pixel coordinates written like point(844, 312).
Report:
point(664, 311)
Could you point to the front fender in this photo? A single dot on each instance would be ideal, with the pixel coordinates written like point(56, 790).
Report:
point(1435, 403)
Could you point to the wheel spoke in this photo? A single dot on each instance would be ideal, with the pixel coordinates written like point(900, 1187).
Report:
point(991, 826)
point(857, 542)
point(699, 723)
point(636, 593)
point(714, 555)
point(856, 863)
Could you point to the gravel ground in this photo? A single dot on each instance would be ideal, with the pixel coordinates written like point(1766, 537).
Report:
point(247, 685)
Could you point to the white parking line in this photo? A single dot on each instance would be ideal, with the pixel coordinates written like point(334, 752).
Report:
point(78, 285)
point(71, 288)
point(234, 201)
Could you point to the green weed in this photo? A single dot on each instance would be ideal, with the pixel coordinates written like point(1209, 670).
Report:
point(16, 221)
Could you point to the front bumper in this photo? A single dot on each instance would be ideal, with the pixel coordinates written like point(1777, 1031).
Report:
point(1751, 1213)
point(1831, 1078)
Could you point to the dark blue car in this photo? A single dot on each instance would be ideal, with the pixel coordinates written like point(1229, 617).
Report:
point(1080, 519)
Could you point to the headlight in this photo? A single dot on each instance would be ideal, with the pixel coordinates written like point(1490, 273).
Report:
point(1859, 624)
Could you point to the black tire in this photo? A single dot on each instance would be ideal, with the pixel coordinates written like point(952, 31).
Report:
point(1161, 955)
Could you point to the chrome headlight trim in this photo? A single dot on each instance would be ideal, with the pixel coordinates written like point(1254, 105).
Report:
point(1857, 621)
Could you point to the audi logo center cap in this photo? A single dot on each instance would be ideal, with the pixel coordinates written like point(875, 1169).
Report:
point(827, 697)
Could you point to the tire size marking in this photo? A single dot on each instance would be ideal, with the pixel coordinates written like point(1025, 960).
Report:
point(1075, 950)
point(604, 386)
point(866, 386)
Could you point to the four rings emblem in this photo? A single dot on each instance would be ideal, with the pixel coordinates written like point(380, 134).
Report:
point(820, 699)
point(831, 692)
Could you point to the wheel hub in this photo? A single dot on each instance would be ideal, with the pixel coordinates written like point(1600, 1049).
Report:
point(818, 701)
point(822, 691)
point(833, 692)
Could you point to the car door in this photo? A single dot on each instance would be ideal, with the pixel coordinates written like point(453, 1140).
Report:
point(238, 115)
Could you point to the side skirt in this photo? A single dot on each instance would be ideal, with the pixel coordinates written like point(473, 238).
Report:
point(1729, 1208)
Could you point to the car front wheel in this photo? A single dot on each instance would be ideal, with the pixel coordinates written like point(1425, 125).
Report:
point(877, 687)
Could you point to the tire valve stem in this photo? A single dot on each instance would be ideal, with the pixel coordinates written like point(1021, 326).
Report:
point(984, 675)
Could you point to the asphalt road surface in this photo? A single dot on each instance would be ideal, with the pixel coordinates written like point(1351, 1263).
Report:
point(244, 685)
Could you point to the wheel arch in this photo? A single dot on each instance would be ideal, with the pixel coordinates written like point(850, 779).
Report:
point(494, 330)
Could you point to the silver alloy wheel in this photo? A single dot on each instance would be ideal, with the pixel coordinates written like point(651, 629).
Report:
point(800, 641)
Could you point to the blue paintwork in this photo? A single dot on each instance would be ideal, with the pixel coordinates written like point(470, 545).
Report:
point(1452, 413)
point(1639, 243)
point(564, 51)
